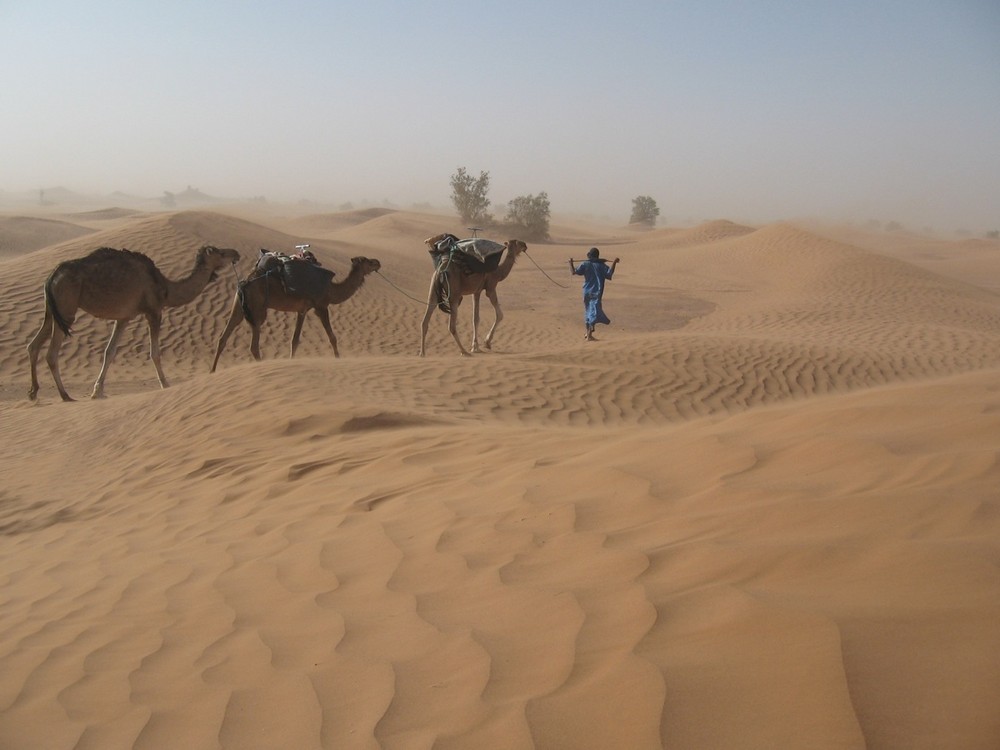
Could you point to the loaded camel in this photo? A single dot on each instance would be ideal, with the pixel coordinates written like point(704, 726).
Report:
point(116, 285)
point(457, 278)
point(264, 289)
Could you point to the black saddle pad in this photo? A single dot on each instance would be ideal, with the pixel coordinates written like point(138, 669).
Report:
point(305, 279)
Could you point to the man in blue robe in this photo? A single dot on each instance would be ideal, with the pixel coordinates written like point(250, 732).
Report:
point(595, 272)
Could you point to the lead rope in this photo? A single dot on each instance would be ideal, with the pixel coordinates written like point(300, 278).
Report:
point(422, 302)
point(564, 286)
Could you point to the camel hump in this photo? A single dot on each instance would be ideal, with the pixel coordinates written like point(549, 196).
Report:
point(106, 253)
point(112, 262)
point(107, 257)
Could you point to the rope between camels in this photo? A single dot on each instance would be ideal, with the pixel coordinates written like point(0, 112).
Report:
point(422, 302)
point(564, 286)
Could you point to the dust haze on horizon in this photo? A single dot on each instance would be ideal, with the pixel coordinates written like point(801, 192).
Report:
point(753, 112)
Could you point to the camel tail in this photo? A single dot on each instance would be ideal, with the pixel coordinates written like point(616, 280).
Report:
point(50, 304)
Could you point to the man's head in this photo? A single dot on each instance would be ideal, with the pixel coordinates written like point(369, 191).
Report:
point(593, 253)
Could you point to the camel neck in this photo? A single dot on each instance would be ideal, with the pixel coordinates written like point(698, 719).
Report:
point(352, 283)
point(183, 291)
point(504, 269)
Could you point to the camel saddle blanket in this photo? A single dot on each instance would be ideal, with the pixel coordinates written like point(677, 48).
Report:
point(475, 255)
point(301, 275)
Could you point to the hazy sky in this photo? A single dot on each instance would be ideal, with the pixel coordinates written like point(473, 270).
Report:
point(752, 111)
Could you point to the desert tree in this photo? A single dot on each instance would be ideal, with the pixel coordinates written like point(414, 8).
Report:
point(468, 193)
point(644, 211)
point(529, 216)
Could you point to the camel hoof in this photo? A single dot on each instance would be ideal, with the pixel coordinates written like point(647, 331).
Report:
point(32, 395)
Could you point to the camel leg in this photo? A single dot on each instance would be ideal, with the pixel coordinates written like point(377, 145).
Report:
point(299, 320)
point(235, 318)
point(453, 326)
point(109, 356)
point(35, 348)
point(324, 317)
point(52, 360)
point(431, 304)
point(259, 318)
point(475, 322)
point(255, 340)
point(154, 347)
point(255, 313)
point(423, 327)
point(499, 316)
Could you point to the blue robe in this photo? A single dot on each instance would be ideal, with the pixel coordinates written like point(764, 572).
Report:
point(594, 273)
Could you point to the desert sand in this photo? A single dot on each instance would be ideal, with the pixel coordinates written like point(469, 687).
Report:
point(762, 511)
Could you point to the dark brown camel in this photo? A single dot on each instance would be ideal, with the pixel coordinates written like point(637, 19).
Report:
point(265, 290)
point(116, 285)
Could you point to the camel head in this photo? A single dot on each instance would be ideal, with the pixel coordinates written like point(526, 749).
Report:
point(516, 246)
point(217, 257)
point(367, 265)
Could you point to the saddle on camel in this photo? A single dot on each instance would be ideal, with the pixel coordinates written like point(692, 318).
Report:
point(300, 274)
point(474, 255)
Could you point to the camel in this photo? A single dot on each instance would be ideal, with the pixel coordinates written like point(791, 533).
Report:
point(455, 279)
point(116, 285)
point(265, 290)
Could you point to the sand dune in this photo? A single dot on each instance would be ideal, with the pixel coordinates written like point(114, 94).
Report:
point(22, 234)
point(761, 511)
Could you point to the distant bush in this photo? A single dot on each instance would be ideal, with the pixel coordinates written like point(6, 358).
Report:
point(528, 215)
point(644, 211)
point(993, 234)
point(468, 193)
